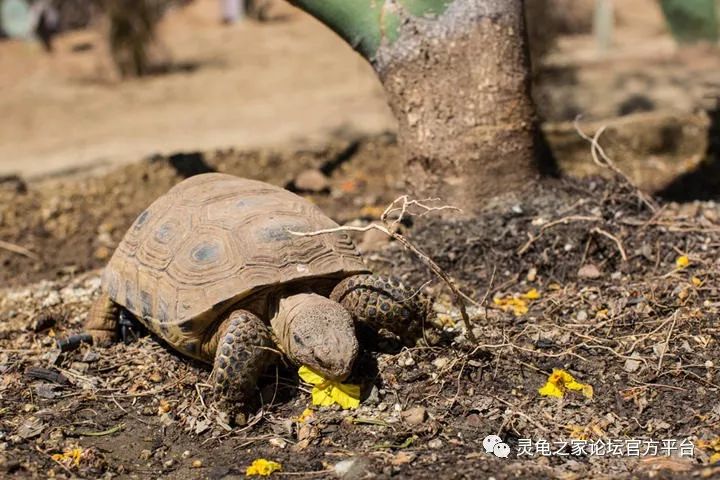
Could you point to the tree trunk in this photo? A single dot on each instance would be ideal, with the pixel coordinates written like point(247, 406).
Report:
point(457, 77)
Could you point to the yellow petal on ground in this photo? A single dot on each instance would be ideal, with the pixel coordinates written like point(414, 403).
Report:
point(715, 458)
point(70, 458)
point(326, 392)
point(305, 415)
point(682, 261)
point(310, 376)
point(696, 281)
point(346, 395)
point(532, 294)
point(560, 381)
point(262, 467)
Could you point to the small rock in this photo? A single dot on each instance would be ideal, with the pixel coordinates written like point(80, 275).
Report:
point(589, 271)
point(435, 443)
point(311, 180)
point(197, 463)
point(632, 365)
point(186, 454)
point(414, 416)
point(407, 361)
point(168, 463)
point(278, 442)
point(352, 468)
point(581, 316)
point(373, 397)
point(441, 362)
point(532, 275)
point(145, 455)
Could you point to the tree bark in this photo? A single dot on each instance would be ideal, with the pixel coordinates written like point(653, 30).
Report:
point(457, 76)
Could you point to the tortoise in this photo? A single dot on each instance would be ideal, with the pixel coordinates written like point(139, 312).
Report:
point(214, 269)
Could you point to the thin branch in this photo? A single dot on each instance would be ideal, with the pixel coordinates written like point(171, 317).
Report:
point(614, 239)
point(11, 247)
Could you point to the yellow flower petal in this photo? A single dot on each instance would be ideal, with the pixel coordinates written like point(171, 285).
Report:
point(561, 381)
point(326, 392)
point(305, 415)
point(310, 376)
point(532, 294)
point(696, 281)
point(262, 467)
point(347, 396)
point(715, 458)
point(682, 261)
point(70, 458)
point(322, 397)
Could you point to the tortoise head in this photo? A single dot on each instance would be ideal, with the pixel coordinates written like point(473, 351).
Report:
point(316, 332)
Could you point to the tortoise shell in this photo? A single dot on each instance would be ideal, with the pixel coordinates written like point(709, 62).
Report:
point(211, 242)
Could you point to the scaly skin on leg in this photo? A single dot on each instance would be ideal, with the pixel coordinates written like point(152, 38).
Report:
point(244, 351)
point(102, 321)
point(383, 303)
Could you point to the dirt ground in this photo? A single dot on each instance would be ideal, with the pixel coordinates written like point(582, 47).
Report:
point(615, 308)
point(245, 85)
point(626, 301)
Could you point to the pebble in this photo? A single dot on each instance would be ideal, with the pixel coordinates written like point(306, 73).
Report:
point(197, 463)
point(581, 316)
point(352, 468)
point(435, 443)
point(589, 271)
point(414, 416)
point(168, 463)
point(441, 362)
point(532, 275)
point(406, 361)
point(632, 365)
point(311, 180)
point(145, 454)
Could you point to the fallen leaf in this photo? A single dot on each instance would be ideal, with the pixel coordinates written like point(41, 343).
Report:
point(326, 392)
point(560, 382)
point(262, 467)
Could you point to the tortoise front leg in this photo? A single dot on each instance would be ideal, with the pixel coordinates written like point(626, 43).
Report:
point(383, 303)
point(243, 352)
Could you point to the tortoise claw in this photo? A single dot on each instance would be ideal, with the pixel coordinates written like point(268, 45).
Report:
point(129, 329)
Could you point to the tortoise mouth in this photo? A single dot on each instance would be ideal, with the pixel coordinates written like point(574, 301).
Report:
point(332, 367)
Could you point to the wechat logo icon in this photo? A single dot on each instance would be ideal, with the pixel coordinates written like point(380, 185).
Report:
point(494, 444)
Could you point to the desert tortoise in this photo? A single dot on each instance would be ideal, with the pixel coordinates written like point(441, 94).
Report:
point(212, 268)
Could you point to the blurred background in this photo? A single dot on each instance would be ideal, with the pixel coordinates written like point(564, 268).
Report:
point(86, 84)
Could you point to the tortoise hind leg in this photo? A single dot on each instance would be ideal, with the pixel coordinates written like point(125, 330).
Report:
point(383, 303)
point(102, 320)
point(243, 352)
